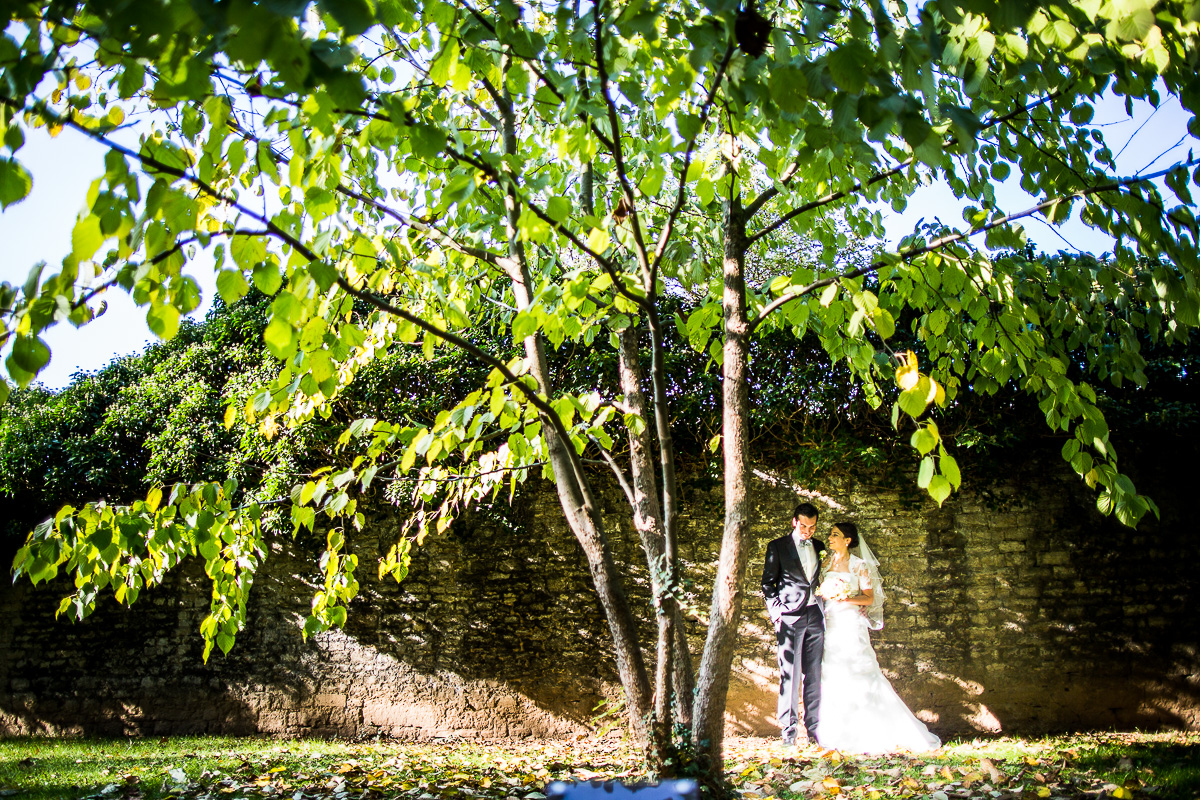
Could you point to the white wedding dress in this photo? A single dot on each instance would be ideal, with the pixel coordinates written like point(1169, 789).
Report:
point(860, 711)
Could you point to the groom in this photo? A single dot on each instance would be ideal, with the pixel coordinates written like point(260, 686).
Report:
point(789, 585)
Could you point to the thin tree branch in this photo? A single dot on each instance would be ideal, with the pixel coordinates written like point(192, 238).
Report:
point(618, 152)
point(668, 228)
point(548, 413)
point(833, 197)
point(622, 481)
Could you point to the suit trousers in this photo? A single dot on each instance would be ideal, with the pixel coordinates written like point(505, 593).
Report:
point(802, 641)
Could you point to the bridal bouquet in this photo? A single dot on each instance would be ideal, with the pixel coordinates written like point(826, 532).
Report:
point(837, 586)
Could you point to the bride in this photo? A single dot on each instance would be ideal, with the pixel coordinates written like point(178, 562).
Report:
point(860, 712)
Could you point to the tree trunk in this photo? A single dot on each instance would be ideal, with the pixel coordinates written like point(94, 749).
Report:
point(574, 491)
point(715, 665)
point(648, 521)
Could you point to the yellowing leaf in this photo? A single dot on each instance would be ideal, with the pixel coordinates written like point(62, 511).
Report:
point(598, 240)
point(830, 293)
point(906, 374)
point(154, 498)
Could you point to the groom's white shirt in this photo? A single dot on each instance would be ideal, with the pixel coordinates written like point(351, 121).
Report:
point(808, 555)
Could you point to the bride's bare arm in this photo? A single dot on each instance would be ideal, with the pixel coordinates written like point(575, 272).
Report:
point(865, 592)
point(863, 598)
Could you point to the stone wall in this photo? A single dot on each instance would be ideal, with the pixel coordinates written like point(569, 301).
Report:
point(1013, 608)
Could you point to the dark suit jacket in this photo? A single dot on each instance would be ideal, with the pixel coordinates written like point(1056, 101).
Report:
point(784, 584)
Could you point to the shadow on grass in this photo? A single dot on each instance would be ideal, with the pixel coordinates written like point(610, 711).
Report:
point(1166, 769)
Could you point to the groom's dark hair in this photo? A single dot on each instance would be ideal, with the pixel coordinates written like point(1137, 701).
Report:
point(805, 510)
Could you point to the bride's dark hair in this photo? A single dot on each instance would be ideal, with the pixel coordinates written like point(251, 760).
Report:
point(850, 531)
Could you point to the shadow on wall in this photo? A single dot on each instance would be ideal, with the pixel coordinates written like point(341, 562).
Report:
point(491, 635)
point(120, 673)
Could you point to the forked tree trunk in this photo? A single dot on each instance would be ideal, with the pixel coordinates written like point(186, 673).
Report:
point(713, 680)
point(574, 492)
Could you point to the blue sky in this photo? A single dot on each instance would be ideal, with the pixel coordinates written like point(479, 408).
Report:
point(39, 228)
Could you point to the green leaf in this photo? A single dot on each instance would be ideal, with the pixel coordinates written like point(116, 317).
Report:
point(425, 141)
point(949, 468)
point(532, 228)
point(30, 353)
point(924, 440)
point(885, 324)
point(265, 158)
point(939, 489)
point(86, 237)
point(849, 66)
point(925, 473)
point(163, 319)
point(443, 63)
point(15, 182)
point(789, 88)
point(652, 181)
point(523, 324)
point(231, 285)
point(558, 208)
point(267, 278)
point(248, 251)
point(280, 337)
point(914, 401)
point(598, 240)
point(312, 335)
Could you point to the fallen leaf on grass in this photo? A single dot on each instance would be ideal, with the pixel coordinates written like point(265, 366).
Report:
point(993, 774)
point(969, 779)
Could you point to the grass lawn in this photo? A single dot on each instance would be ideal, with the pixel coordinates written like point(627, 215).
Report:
point(1117, 765)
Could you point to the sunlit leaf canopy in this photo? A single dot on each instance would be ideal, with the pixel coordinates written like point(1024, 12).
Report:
point(412, 173)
